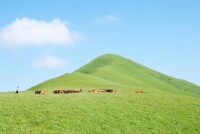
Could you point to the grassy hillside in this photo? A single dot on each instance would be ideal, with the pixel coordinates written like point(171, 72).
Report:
point(127, 72)
point(75, 80)
point(99, 113)
point(112, 71)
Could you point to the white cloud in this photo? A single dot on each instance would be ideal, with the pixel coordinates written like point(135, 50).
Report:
point(111, 18)
point(27, 31)
point(50, 62)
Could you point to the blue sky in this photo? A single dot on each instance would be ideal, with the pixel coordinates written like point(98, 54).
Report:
point(42, 39)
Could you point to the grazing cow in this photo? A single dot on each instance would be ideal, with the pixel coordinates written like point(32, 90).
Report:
point(77, 91)
point(103, 90)
point(139, 91)
point(41, 92)
point(72, 91)
point(44, 92)
point(60, 91)
point(97, 91)
point(56, 91)
point(38, 92)
point(109, 90)
point(68, 91)
point(91, 90)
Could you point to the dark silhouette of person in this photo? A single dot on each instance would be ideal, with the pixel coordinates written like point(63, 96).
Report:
point(17, 90)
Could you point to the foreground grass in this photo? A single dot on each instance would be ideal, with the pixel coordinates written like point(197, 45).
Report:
point(99, 113)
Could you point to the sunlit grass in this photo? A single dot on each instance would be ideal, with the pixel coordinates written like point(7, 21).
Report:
point(99, 113)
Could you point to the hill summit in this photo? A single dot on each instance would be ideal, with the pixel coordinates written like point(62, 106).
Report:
point(113, 71)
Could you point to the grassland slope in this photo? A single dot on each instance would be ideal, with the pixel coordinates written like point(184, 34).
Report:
point(122, 70)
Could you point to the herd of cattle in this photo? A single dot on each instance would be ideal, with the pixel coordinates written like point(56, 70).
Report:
point(80, 90)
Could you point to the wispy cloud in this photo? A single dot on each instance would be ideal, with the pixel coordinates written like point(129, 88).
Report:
point(109, 18)
point(27, 31)
point(50, 62)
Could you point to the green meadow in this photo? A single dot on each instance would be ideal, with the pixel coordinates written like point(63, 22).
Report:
point(168, 105)
point(85, 112)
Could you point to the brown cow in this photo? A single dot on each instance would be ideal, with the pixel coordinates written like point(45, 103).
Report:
point(97, 91)
point(91, 90)
point(44, 92)
point(77, 91)
point(139, 91)
point(61, 91)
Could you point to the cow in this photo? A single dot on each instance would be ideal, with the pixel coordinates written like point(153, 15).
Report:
point(59, 91)
point(139, 91)
point(38, 92)
point(91, 90)
point(102, 90)
point(44, 92)
point(109, 90)
point(72, 91)
point(96, 90)
point(68, 91)
point(41, 92)
point(77, 91)
point(56, 91)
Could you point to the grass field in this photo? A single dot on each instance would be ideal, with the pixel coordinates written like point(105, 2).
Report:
point(150, 112)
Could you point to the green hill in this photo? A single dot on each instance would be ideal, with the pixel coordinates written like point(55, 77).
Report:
point(112, 71)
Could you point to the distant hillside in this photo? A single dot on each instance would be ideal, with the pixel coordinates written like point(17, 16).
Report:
point(113, 71)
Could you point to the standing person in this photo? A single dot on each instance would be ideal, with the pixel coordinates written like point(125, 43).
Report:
point(17, 90)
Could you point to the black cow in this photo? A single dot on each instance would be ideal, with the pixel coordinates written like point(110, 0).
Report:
point(109, 90)
point(56, 91)
point(38, 92)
